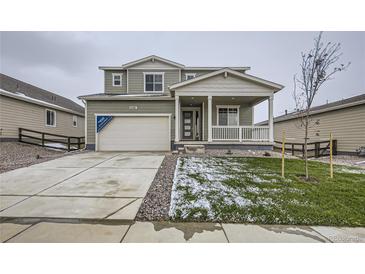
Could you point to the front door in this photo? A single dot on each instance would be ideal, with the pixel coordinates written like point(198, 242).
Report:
point(187, 125)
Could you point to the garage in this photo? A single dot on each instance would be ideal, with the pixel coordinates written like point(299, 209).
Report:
point(133, 132)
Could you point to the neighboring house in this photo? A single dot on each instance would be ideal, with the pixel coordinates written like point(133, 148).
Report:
point(154, 104)
point(345, 119)
point(25, 106)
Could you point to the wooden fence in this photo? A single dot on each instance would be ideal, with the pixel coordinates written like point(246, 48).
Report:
point(49, 140)
point(314, 149)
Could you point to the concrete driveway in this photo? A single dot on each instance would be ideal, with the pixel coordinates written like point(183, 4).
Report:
point(91, 185)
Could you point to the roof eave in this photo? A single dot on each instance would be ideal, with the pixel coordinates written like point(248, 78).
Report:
point(39, 102)
point(276, 86)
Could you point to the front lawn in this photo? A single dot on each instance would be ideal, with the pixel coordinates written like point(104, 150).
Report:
point(252, 190)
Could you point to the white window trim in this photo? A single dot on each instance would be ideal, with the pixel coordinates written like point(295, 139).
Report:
point(155, 73)
point(229, 106)
point(74, 118)
point(121, 79)
point(55, 117)
point(189, 74)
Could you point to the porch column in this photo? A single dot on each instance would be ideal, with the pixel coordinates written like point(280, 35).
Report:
point(177, 118)
point(210, 119)
point(271, 118)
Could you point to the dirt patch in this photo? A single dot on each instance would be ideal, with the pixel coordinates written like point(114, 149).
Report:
point(15, 155)
point(156, 204)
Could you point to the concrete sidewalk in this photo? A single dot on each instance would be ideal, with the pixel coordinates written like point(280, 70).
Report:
point(112, 231)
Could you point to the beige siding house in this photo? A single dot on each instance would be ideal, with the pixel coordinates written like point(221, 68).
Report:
point(25, 106)
point(158, 104)
point(345, 119)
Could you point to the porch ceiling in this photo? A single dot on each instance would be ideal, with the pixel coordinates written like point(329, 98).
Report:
point(224, 100)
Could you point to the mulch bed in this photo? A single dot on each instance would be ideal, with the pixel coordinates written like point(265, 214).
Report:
point(156, 204)
point(15, 155)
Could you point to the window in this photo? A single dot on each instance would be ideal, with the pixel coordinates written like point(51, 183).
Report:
point(189, 76)
point(228, 115)
point(153, 82)
point(74, 121)
point(117, 79)
point(50, 118)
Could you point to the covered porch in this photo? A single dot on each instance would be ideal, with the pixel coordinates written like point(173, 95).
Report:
point(221, 119)
point(217, 108)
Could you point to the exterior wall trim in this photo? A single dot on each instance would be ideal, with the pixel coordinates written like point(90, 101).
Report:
point(228, 106)
point(38, 102)
point(154, 73)
point(121, 79)
point(229, 93)
point(45, 117)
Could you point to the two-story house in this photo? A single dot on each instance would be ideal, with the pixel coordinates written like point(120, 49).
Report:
point(154, 104)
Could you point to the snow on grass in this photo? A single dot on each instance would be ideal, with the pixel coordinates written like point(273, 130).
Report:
point(344, 169)
point(219, 188)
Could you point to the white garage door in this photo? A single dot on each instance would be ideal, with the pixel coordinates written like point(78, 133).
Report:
point(142, 133)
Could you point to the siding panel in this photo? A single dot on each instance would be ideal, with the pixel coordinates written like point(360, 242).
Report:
point(136, 80)
point(347, 126)
point(16, 113)
point(220, 84)
point(108, 82)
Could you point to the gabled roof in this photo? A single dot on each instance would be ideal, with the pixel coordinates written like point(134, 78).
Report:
point(177, 65)
point(340, 104)
point(244, 76)
point(21, 90)
point(152, 57)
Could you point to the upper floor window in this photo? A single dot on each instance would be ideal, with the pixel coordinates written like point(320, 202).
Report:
point(117, 79)
point(50, 118)
point(153, 82)
point(74, 121)
point(189, 76)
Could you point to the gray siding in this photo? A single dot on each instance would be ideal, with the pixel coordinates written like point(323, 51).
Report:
point(17, 113)
point(136, 80)
point(123, 107)
point(197, 72)
point(218, 84)
point(108, 82)
point(347, 126)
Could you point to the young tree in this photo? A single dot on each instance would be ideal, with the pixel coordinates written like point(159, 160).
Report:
point(318, 66)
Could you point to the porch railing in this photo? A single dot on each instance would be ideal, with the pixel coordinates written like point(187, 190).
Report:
point(240, 133)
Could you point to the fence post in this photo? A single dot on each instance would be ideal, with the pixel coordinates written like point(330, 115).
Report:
point(283, 156)
point(303, 150)
point(78, 143)
point(334, 144)
point(20, 134)
point(42, 139)
point(331, 150)
point(68, 143)
point(292, 149)
point(316, 149)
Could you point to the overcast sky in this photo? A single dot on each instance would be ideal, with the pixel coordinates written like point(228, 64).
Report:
point(67, 62)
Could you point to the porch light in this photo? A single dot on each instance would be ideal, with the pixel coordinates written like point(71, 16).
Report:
point(233, 98)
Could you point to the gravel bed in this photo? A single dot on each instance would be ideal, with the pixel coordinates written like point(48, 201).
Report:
point(244, 153)
point(15, 155)
point(156, 204)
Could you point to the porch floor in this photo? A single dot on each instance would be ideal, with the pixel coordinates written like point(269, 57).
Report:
point(191, 142)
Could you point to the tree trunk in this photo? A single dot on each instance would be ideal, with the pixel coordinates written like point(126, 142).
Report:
point(306, 147)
